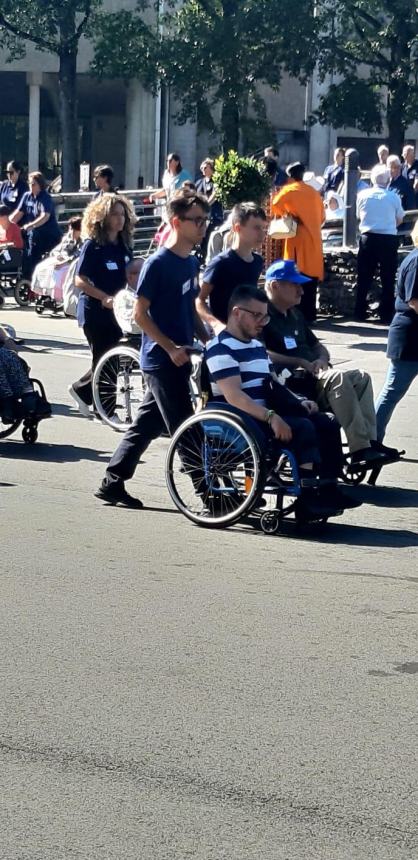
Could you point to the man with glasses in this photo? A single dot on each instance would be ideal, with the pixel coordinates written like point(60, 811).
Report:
point(242, 376)
point(165, 311)
point(239, 265)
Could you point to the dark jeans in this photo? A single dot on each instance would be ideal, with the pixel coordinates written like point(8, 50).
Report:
point(36, 246)
point(101, 337)
point(376, 249)
point(308, 300)
point(166, 405)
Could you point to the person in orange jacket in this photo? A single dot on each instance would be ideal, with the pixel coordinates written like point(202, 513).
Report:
point(305, 205)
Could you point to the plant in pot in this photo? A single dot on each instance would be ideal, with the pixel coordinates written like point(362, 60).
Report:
point(238, 178)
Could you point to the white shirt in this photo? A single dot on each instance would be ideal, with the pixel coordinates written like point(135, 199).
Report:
point(378, 210)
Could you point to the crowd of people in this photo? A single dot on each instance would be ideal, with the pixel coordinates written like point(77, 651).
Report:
point(250, 335)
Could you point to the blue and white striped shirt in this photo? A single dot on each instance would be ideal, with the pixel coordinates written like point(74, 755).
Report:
point(227, 356)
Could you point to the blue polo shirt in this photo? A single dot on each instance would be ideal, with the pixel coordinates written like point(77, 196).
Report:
point(105, 266)
point(403, 330)
point(225, 272)
point(11, 195)
point(169, 282)
point(32, 207)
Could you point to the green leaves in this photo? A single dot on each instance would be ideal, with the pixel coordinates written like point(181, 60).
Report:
point(238, 179)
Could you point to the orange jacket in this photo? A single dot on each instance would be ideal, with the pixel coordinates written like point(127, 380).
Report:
point(305, 204)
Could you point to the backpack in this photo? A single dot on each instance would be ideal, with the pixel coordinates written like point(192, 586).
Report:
point(70, 293)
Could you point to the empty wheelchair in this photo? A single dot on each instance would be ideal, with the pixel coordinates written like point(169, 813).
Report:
point(11, 280)
point(218, 472)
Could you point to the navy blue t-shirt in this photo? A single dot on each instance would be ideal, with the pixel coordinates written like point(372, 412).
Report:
point(169, 282)
point(11, 195)
point(105, 266)
point(225, 272)
point(32, 207)
point(403, 330)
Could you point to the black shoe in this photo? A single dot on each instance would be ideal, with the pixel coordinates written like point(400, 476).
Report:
point(337, 498)
point(117, 495)
point(393, 453)
point(312, 504)
point(7, 410)
point(368, 456)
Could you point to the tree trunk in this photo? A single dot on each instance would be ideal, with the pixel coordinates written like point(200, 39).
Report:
point(67, 85)
point(230, 126)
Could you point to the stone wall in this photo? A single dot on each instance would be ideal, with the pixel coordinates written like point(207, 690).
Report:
point(337, 293)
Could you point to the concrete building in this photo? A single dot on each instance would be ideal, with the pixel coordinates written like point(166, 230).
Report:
point(122, 124)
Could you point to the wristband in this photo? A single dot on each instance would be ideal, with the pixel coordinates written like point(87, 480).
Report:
point(269, 415)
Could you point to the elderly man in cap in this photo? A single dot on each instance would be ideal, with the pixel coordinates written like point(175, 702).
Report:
point(305, 204)
point(380, 212)
point(292, 344)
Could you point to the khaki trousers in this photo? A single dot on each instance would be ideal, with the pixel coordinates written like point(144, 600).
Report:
point(349, 395)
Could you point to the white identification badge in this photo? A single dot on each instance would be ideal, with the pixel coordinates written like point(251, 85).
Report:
point(6, 256)
point(111, 266)
point(290, 343)
point(186, 287)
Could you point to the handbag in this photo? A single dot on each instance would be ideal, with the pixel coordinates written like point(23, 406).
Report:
point(283, 228)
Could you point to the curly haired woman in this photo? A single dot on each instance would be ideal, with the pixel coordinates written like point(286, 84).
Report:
point(107, 228)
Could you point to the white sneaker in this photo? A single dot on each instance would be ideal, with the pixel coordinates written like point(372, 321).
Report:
point(82, 406)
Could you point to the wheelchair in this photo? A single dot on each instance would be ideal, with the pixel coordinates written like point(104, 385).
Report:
point(29, 422)
point(11, 281)
point(118, 382)
point(218, 473)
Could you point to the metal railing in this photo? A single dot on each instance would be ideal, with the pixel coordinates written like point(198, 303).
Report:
point(149, 214)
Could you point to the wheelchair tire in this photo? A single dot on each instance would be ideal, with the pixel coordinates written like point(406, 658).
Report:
point(216, 478)
point(30, 434)
point(118, 387)
point(353, 475)
point(270, 522)
point(22, 293)
point(7, 429)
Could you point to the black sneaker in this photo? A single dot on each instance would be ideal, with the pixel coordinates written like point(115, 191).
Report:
point(117, 495)
point(368, 456)
point(393, 453)
point(337, 498)
point(311, 504)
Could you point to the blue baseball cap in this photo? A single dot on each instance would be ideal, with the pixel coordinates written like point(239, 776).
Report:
point(285, 270)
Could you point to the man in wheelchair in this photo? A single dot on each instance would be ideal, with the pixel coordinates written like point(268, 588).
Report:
point(242, 376)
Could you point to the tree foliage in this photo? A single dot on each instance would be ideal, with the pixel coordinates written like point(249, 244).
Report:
point(54, 26)
point(238, 179)
point(135, 51)
point(373, 44)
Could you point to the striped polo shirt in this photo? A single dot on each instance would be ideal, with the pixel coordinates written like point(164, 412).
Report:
point(227, 356)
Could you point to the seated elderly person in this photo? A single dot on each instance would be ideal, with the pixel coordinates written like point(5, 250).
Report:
point(10, 234)
point(242, 376)
point(292, 344)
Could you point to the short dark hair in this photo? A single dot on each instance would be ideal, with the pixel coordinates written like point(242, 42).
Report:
point(296, 170)
point(75, 222)
point(105, 171)
point(15, 165)
point(242, 212)
point(246, 293)
point(269, 164)
point(274, 151)
point(181, 203)
point(4, 210)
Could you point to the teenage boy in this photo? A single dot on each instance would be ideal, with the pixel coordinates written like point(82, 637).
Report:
point(239, 265)
point(165, 311)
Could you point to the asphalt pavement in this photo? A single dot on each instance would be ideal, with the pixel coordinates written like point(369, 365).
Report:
point(171, 692)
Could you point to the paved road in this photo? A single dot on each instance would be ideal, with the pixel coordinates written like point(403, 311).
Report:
point(169, 692)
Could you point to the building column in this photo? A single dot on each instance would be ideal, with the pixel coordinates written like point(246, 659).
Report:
point(134, 97)
point(34, 81)
point(323, 138)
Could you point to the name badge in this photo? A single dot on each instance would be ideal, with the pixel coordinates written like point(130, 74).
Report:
point(111, 266)
point(185, 288)
point(127, 259)
point(290, 343)
point(6, 255)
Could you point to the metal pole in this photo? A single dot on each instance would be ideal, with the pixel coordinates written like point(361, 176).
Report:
point(350, 196)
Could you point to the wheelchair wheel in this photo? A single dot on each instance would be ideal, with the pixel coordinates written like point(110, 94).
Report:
point(118, 387)
point(270, 522)
point(30, 434)
point(213, 469)
point(8, 429)
point(22, 293)
point(353, 475)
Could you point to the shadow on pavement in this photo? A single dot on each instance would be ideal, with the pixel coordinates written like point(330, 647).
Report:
point(48, 344)
point(368, 347)
point(44, 452)
point(350, 535)
point(387, 497)
point(365, 329)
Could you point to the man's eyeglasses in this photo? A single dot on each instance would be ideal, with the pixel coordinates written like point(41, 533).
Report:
point(198, 222)
point(258, 316)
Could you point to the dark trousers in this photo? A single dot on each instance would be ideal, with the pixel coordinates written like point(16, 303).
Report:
point(36, 246)
point(308, 300)
point(316, 439)
point(166, 405)
point(101, 336)
point(377, 250)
